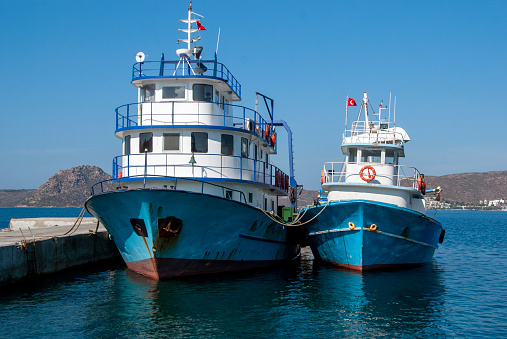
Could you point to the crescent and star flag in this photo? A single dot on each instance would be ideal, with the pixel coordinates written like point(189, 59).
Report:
point(352, 102)
point(199, 26)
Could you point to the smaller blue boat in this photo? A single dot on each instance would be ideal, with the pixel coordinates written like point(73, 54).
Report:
point(371, 212)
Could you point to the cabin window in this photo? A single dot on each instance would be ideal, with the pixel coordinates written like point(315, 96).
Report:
point(199, 142)
point(228, 194)
point(126, 145)
point(390, 157)
point(148, 93)
point(244, 147)
point(171, 141)
point(173, 92)
point(250, 198)
point(203, 92)
point(145, 142)
point(266, 161)
point(255, 152)
point(374, 156)
point(227, 144)
point(272, 205)
point(226, 106)
point(265, 203)
point(352, 155)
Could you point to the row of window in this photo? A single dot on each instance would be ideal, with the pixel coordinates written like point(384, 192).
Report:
point(374, 156)
point(199, 144)
point(200, 92)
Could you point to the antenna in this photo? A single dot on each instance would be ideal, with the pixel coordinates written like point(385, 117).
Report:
point(218, 40)
point(140, 57)
point(394, 119)
point(389, 107)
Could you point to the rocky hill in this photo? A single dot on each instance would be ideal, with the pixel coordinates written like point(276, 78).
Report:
point(70, 188)
point(471, 188)
point(463, 188)
point(67, 188)
point(11, 198)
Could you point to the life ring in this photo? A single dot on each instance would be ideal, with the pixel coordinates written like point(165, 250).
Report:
point(373, 227)
point(352, 226)
point(120, 175)
point(421, 184)
point(273, 139)
point(322, 177)
point(267, 132)
point(370, 171)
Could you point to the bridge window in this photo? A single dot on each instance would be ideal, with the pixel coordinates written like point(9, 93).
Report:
point(202, 92)
point(173, 92)
point(352, 155)
point(126, 145)
point(244, 147)
point(371, 156)
point(171, 141)
point(148, 93)
point(199, 142)
point(227, 144)
point(390, 157)
point(145, 142)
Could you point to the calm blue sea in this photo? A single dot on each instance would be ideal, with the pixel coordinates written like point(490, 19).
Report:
point(461, 293)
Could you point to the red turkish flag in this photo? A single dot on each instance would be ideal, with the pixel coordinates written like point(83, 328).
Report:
point(352, 102)
point(199, 26)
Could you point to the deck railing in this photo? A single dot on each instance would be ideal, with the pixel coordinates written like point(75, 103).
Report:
point(174, 113)
point(107, 186)
point(371, 132)
point(178, 69)
point(206, 167)
point(404, 176)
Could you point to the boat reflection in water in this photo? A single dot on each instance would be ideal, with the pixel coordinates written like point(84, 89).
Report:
point(308, 299)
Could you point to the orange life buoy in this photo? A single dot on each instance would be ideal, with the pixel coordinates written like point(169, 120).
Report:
point(120, 175)
point(322, 177)
point(273, 139)
point(370, 171)
point(267, 133)
point(421, 184)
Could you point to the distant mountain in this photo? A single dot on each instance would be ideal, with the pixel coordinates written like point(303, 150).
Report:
point(67, 188)
point(11, 198)
point(70, 188)
point(464, 188)
point(471, 187)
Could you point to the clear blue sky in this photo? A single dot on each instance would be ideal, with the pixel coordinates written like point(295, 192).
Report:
point(66, 65)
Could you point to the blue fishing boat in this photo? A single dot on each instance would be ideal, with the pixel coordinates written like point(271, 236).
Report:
point(194, 190)
point(371, 211)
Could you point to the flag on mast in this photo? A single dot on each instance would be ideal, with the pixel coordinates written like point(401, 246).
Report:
point(200, 26)
point(351, 102)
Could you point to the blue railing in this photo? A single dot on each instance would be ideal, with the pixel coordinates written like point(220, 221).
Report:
point(107, 186)
point(166, 113)
point(161, 165)
point(178, 69)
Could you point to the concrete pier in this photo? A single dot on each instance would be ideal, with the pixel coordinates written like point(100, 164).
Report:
point(33, 247)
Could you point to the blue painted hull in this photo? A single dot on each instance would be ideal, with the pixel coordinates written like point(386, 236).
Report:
point(403, 237)
point(167, 233)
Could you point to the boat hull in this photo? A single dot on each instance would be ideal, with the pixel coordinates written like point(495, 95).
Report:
point(165, 234)
point(342, 235)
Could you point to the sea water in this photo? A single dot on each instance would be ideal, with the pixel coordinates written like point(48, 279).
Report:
point(460, 293)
